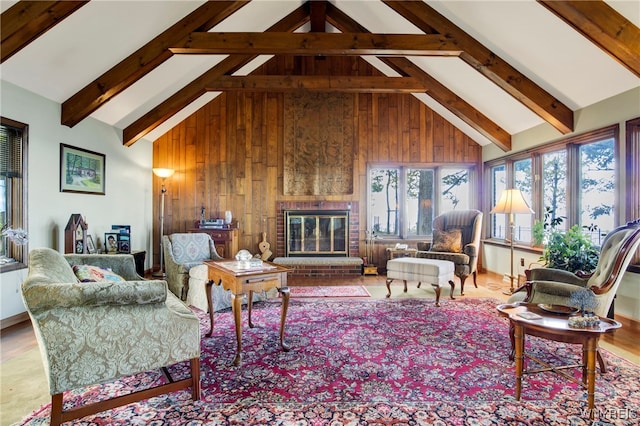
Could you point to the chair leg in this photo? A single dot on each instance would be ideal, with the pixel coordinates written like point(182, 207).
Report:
point(195, 379)
point(462, 280)
point(56, 409)
point(475, 283)
point(389, 280)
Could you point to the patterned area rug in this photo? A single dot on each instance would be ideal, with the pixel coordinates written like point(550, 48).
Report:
point(357, 362)
point(330, 291)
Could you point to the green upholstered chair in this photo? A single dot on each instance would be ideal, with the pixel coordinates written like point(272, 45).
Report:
point(94, 332)
point(187, 275)
point(469, 222)
point(555, 286)
point(183, 251)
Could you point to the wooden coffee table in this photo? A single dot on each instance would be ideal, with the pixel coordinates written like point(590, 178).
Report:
point(556, 327)
point(230, 276)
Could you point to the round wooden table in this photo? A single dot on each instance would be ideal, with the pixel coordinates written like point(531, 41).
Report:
point(555, 327)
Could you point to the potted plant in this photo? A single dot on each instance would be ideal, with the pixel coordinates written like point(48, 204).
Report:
point(571, 251)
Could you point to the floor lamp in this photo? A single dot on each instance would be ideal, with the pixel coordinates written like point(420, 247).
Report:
point(162, 173)
point(512, 202)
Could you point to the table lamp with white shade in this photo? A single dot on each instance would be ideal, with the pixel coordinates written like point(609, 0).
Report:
point(512, 202)
point(163, 174)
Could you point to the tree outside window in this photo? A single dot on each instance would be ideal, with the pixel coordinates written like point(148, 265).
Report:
point(554, 186)
point(577, 185)
point(597, 188)
point(403, 201)
point(523, 180)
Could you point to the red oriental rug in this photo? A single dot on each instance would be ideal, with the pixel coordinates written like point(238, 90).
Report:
point(370, 361)
point(330, 291)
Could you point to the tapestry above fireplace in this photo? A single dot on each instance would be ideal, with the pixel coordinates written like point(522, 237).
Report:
point(318, 149)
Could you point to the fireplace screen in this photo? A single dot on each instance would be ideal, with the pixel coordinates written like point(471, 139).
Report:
point(317, 233)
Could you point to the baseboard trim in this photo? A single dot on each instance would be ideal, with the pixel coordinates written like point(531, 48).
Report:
point(13, 320)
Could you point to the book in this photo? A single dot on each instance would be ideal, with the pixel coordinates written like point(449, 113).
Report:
point(528, 315)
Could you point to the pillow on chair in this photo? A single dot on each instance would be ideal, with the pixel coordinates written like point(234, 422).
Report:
point(88, 273)
point(447, 241)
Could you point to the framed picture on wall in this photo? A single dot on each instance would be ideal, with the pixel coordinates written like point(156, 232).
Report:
point(81, 171)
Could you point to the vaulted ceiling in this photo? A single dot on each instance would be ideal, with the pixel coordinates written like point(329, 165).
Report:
point(492, 68)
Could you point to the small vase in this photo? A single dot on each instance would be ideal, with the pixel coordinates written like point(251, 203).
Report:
point(228, 217)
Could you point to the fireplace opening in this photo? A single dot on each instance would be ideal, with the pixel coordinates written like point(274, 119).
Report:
point(317, 233)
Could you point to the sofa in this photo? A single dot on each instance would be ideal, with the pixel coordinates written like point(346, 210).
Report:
point(111, 324)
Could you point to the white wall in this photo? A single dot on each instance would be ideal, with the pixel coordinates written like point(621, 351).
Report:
point(617, 109)
point(128, 183)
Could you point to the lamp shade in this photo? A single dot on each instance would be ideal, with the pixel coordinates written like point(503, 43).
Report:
point(512, 202)
point(163, 173)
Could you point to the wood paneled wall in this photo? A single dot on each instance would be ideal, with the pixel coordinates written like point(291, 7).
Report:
point(229, 154)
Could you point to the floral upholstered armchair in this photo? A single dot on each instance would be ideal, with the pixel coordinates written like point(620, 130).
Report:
point(181, 253)
point(111, 324)
point(456, 238)
point(187, 275)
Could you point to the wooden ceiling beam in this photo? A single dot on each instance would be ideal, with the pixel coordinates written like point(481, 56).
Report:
point(437, 91)
point(604, 27)
point(325, 83)
point(489, 64)
point(25, 21)
point(198, 87)
point(144, 60)
point(329, 44)
point(318, 16)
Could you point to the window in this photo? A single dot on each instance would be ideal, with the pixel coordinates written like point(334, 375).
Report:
point(596, 197)
point(632, 174)
point(574, 180)
point(554, 185)
point(498, 184)
point(404, 200)
point(523, 180)
point(13, 142)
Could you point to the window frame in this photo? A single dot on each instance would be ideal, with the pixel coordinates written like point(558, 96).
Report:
point(632, 172)
point(18, 211)
point(403, 232)
point(572, 146)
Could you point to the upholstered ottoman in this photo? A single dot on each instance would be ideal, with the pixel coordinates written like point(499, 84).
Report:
point(435, 272)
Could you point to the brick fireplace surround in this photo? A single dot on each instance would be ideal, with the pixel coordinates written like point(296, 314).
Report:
point(321, 267)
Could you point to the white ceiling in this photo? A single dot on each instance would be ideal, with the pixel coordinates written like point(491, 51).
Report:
point(525, 34)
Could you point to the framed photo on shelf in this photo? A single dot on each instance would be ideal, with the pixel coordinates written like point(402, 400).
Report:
point(91, 247)
point(81, 170)
point(111, 243)
point(123, 246)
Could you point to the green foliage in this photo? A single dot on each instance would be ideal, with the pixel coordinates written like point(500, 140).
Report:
point(550, 224)
point(538, 233)
point(571, 251)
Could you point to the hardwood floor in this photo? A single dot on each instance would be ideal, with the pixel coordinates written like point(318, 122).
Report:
point(19, 338)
